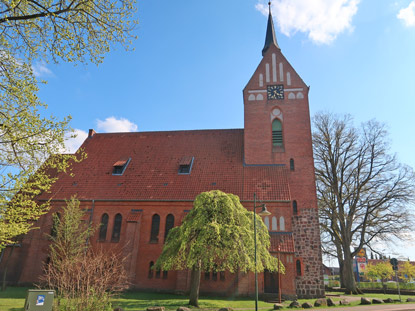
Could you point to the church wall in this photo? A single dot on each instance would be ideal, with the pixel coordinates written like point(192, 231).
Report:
point(134, 243)
point(310, 284)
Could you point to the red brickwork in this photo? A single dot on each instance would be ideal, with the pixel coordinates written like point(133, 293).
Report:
point(240, 161)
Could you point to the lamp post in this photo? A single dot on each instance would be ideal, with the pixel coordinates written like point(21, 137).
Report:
point(279, 271)
point(263, 212)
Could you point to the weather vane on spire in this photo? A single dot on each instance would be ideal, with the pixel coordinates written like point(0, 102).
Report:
point(269, 6)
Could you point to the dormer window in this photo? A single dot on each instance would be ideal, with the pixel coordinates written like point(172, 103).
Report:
point(120, 166)
point(185, 165)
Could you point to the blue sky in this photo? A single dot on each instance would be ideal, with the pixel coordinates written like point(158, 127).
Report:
point(192, 60)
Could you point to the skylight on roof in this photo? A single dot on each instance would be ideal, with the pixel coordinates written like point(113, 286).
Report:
point(120, 166)
point(185, 165)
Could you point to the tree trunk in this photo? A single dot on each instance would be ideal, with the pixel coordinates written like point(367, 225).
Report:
point(341, 265)
point(194, 286)
point(348, 276)
point(4, 283)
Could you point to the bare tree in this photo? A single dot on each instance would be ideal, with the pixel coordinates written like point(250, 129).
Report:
point(364, 194)
point(84, 279)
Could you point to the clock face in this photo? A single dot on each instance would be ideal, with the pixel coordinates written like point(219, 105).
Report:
point(275, 91)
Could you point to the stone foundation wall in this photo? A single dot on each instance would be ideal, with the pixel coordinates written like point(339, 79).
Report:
point(310, 284)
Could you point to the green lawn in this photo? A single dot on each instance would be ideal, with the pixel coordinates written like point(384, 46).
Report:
point(14, 297)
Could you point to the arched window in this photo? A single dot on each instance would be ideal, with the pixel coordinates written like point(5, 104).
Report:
point(155, 225)
point(298, 267)
point(116, 230)
point(165, 274)
point(158, 273)
point(282, 223)
point(222, 275)
point(295, 209)
point(103, 227)
point(274, 223)
point(56, 217)
point(292, 167)
point(150, 270)
point(266, 221)
point(169, 225)
point(277, 133)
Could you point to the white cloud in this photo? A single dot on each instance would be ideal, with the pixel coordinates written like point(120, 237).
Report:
point(74, 140)
point(322, 20)
point(112, 125)
point(408, 14)
point(40, 69)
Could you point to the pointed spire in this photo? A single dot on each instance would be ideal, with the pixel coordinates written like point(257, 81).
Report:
point(270, 37)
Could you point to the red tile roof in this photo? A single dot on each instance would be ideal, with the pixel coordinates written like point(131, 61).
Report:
point(152, 173)
point(282, 242)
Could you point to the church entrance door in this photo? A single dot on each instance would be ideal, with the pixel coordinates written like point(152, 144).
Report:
point(270, 282)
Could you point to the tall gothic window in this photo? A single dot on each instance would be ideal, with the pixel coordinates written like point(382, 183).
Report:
point(292, 167)
point(295, 209)
point(155, 227)
point(277, 133)
point(103, 227)
point(150, 270)
point(55, 223)
point(298, 267)
point(169, 225)
point(116, 230)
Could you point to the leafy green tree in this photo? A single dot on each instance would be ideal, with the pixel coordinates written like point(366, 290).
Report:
point(44, 31)
point(216, 235)
point(382, 270)
point(26, 141)
point(407, 271)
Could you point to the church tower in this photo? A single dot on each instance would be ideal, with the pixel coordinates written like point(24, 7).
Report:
point(277, 132)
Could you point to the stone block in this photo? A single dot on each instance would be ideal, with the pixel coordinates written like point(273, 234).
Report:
point(365, 301)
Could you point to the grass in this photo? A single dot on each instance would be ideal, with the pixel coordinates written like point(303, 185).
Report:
point(14, 297)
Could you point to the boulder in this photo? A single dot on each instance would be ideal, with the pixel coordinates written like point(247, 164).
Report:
point(389, 300)
point(278, 306)
point(320, 302)
point(344, 302)
point(365, 301)
point(155, 308)
point(330, 302)
point(410, 299)
point(295, 304)
point(377, 301)
point(225, 309)
point(183, 309)
point(307, 305)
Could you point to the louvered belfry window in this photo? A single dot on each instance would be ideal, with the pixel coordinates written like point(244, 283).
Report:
point(277, 133)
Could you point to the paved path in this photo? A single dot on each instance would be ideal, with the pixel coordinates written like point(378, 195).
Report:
point(383, 307)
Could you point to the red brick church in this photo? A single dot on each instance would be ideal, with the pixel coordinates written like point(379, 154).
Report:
point(140, 185)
